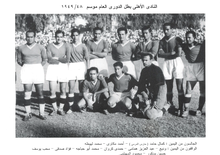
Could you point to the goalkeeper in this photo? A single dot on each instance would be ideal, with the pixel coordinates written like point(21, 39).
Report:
point(152, 89)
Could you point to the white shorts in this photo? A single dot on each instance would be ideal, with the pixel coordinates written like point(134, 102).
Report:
point(118, 96)
point(101, 64)
point(57, 72)
point(77, 71)
point(173, 69)
point(32, 73)
point(195, 71)
point(131, 68)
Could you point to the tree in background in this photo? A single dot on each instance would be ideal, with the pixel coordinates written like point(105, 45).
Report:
point(39, 22)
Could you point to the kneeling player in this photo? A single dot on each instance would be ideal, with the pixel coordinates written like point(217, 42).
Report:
point(32, 57)
point(123, 84)
point(152, 89)
point(195, 70)
point(93, 89)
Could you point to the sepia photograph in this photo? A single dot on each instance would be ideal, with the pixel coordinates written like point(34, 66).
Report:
point(110, 75)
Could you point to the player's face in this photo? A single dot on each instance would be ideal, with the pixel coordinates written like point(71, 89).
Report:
point(146, 61)
point(75, 36)
point(122, 35)
point(93, 75)
point(146, 34)
point(97, 35)
point(30, 38)
point(167, 30)
point(118, 70)
point(59, 38)
point(189, 38)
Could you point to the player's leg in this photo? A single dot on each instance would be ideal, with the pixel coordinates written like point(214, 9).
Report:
point(41, 102)
point(201, 98)
point(53, 98)
point(179, 84)
point(71, 84)
point(113, 100)
point(169, 84)
point(128, 103)
point(188, 95)
point(62, 97)
point(27, 99)
point(103, 98)
point(82, 105)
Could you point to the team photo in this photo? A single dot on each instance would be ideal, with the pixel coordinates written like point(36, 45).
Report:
point(110, 75)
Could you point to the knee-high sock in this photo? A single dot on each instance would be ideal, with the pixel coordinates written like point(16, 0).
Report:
point(201, 101)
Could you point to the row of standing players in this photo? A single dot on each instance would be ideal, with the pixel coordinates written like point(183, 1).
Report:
point(152, 95)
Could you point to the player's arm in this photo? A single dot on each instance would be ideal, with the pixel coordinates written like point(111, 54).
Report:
point(155, 47)
point(86, 56)
point(142, 87)
point(50, 59)
point(104, 52)
point(84, 90)
point(43, 56)
point(66, 58)
point(105, 87)
point(91, 56)
point(159, 80)
point(137, 52)
point(113, 52)
point(19, 57)
point(161, 52)
point(177, 52)
point(132, 51)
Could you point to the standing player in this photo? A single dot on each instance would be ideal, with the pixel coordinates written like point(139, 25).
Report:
point(98, 49)
point(152, 87)
point(77, 66)
point(32, 57)
point(195, 70)
point(123, 51)
point(170, 49)
point(93, 89)
point(58, 54)
point(148, 45)
point(125, 87)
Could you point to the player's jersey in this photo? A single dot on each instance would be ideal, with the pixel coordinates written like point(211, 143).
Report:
point(34, 54)
point(58, 51)
point(122, 52)
point(78, 53)
point(151, 77)
point(194, 54)
point(92, 88)
point(123, 83)
point(170, 45)
point(149, 47)
point(94, 46)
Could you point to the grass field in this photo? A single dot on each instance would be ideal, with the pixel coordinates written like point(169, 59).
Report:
point(90, 124)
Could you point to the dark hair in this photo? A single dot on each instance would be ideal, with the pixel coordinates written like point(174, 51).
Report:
point(59, 31)
point(93, 68)
point(97, 28)
point(29, 31)
point(191, 32)
point(168, 24)
point(74, 30)
point(146, 28)
point(122, 29)
point(147, 54)
point(120, 64)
